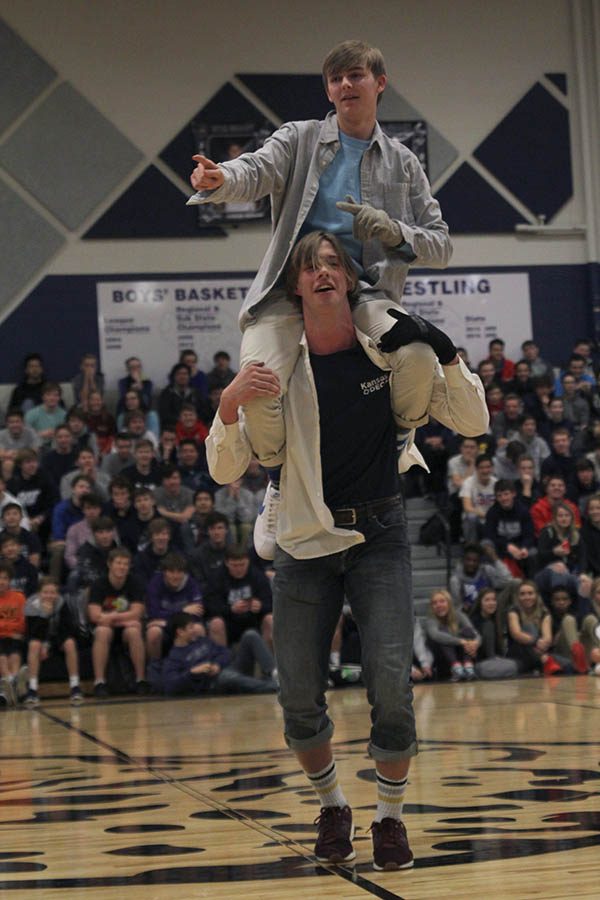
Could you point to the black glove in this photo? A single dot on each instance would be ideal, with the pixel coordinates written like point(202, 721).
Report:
point(413, 328)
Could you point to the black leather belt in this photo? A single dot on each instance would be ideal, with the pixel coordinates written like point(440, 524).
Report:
point(350, 515)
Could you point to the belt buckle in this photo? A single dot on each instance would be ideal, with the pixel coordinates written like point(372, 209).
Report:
point(348, 515)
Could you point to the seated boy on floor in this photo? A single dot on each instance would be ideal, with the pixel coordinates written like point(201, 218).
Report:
point(50, 628)
point(197, 665)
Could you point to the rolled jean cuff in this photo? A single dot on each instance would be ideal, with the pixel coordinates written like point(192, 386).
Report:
point(301, 744)
point(378, 753)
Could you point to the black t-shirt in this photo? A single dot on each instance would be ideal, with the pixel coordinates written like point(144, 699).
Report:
point(112, 599)
point(358, 434)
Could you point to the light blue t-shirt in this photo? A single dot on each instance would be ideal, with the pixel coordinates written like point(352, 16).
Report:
point(340, 179)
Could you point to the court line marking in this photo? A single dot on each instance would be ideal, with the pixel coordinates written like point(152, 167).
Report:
point(348, 873)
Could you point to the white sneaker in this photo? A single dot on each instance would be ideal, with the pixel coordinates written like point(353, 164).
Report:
point(596, 669)
point(265, 527)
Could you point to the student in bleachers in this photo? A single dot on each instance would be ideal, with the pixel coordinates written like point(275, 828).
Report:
point(88, 379)
point(477, 495)
point(86, 465)
point(80, 532)
point(101, 422)
point(171, 590)
point(509, 528)
point(83, 438)
point(166, 451)
point(12, 636)
point(526, 485)
point(145, 512)
point(64, 514)
point(190, 426)
point(535, 446)
point(120, 456)
point(120, 510)
point(567, 649)
point(487, 620)
point(531, 353)
point(33, 490)
point(146, 472)
point(590, 536)
point(590, 629)
point(50, 629)
point(116, 610)
point(178, 392)
point(191, 462)
point(61, 458)
point(576, 405)
point(134, 401)
point(240, 594)
point(197, 377)
point(16, 436)
point(25, 576)
point(238, 504)
point(45, 418)
point(504, 368)
point(13, 522)
point(92, 556)
point(506, 424)
point(174, 501)
point(148, 561)
point(476, 571)
point(194, 533)
point(542, 510)
point(460, 467)
point(221, 374)
point(586, 483)
point(530, 631)
point(452, 639)
point(521, 384)
point(537, 403)
point(135, 381)
point(28, 392)
point(555, 418)
point(560, 461)
point(134, 423)
point(559, 540)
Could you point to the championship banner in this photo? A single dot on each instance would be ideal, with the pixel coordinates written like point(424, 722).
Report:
point(156, 320)
point(474, 309)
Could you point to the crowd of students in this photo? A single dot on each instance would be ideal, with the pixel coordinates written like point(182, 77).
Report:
point(523, 502)
point(117, 550)
point(116, 547)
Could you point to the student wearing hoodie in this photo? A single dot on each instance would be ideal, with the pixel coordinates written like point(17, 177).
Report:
point(171, 590)
point(197, 665)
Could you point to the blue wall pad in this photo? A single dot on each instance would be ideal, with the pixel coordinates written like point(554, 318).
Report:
point(471, 206)
point(27, 241)
point(84, 156)
point(23, 76)
point(529, 152)
point(290, 97)
point(227, 106)
point(559, 79)
point(71, 299)
point(151, 208)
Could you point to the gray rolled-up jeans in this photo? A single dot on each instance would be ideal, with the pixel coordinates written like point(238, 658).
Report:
point(308, 594)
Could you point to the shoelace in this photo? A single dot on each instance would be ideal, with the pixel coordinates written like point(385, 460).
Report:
point(326, 822)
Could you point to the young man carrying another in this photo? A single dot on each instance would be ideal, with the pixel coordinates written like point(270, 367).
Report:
point(342, 532)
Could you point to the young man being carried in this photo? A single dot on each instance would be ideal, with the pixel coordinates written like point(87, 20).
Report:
point(310, 169)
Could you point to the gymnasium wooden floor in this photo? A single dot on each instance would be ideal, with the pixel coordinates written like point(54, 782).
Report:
point(199, 798)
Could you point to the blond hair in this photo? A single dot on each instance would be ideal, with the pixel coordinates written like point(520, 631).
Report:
point(450, 620)
point(306, 254)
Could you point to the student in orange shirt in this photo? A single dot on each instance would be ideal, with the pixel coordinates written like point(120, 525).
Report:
point(12, 636)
